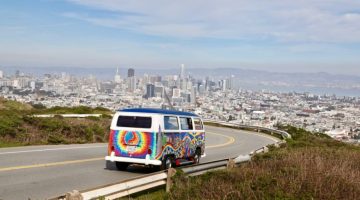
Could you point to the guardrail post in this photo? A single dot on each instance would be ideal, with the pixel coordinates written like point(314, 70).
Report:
point(266, 149)
point(74, 195)
point(230, 164)
point(277, 145)
point(170, 173)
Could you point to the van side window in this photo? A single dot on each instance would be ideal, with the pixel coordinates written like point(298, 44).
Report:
point(134, 122)
point(171, 123)
point(198, 124)
point(186, 123)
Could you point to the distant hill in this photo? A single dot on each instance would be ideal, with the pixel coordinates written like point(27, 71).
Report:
point(318, 83)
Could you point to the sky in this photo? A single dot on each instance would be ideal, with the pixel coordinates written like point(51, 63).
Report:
point(273, 35)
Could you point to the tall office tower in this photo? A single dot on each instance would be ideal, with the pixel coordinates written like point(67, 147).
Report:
point(230, 82)
point(176, 93)
point(159, 91)
point(223, 84)
point(202, 89)
point(117, 76)
point(131, 72)
point(207, 83)
point(150, 90)
point(146, 78)
point(131, 84)
point(183, 84)
point(1, 74)
point(32, 85)
point(63, 75)
point(182, 72)
point(193, 95)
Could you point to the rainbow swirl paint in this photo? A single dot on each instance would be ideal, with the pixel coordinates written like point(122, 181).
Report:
point(134, 144)
point(182, 145)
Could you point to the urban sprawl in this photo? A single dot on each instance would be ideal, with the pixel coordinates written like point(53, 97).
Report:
point(213, 98)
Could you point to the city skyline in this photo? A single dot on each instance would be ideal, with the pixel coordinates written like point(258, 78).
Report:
point(256, 80)
point(279, 36)
point(212, 98)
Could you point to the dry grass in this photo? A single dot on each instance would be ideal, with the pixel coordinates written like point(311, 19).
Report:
point(307, 173)
point(299, 170)
point(309, 166)
point(17, 127)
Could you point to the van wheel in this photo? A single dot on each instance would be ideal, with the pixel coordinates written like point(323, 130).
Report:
point(197, 156)
point(122, 165)
point(108, 165)
point(167, 162)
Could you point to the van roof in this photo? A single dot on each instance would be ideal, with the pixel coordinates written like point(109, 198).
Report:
point(158, 111)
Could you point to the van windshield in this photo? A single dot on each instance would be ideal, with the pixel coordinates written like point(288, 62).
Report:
point(134, 122)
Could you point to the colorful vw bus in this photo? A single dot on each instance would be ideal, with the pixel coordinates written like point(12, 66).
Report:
point(155, 137)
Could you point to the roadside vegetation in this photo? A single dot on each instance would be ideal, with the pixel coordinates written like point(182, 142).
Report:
point(308, 166)
point(18, 127)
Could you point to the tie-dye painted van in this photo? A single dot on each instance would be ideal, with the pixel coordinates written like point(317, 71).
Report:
point(155, 137)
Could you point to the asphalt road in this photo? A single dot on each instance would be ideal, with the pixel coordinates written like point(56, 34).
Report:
point(39, 172)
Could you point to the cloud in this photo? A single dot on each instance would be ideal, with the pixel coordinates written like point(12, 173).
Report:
point(282, 20)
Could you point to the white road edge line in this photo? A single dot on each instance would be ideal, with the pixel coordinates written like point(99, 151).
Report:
point(55, 149)
point(253, 133)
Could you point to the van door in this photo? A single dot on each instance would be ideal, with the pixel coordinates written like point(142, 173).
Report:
point(188, 137)
point(171, 136)
point(199, 134)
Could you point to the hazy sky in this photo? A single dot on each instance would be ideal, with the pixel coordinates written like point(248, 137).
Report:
point(274, 35)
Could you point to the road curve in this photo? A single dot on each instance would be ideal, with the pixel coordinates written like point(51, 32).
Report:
point(38, 172)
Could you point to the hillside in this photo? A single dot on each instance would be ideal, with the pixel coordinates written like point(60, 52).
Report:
point(308, 166)
point(18, 127)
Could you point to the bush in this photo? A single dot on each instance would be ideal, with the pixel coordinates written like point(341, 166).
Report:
point(9, 122)
point(50, 124)
point(56, 139)
point(309, 166)
point(17, 126)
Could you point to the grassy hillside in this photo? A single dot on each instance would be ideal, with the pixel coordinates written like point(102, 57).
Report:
point(309, 166)
point(18, 127)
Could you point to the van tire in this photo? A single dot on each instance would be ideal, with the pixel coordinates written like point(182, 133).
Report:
point(167, 162)
point(197, 156)
point(109, 165)
point(121, 166)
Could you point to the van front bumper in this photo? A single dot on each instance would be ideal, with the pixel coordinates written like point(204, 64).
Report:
point(146, 161)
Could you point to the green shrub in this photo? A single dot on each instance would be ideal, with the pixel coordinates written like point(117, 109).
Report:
point(308, 166)
point(56, 139)
point(17, 126)
point(50, 124)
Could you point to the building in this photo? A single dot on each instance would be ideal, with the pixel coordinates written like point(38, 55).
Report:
point(183, 84)
point(131, 83)
point(182, 71)
point(193, 95)
point(202, 89)
point(1, 74)
point(223, 84)
point(131, 72)
point(32, 85)
point(159, 91)
point(176, 93)
point(230, 83)
point(150, 91)
point(117, 77)
point(258, 115)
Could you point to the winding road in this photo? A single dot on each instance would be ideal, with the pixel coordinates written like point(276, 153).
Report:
point(39, 172)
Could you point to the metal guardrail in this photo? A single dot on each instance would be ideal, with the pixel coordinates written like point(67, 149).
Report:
point(283, 134)
point(67, 115)
point(142, 183)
